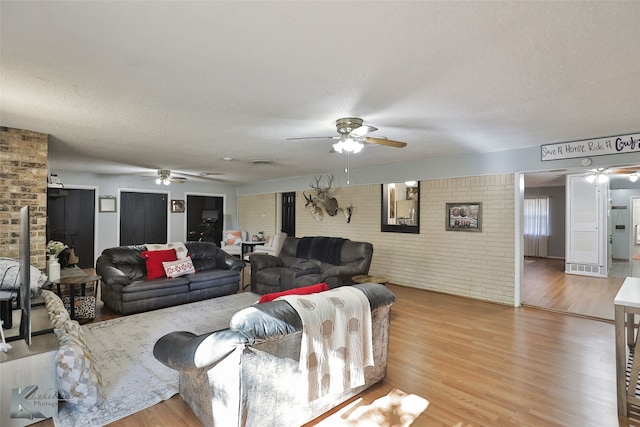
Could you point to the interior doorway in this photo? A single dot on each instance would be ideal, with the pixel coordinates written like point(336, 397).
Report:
point(71, 220)
point(205, 215)
point(289, 213)
point(143, 218)
point(635, 228)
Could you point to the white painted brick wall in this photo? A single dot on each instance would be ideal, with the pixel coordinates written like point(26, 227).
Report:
point(470, 264)
point(258, 213)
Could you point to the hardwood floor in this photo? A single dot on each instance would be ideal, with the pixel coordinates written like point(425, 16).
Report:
point(481, 364)
point(545, 285)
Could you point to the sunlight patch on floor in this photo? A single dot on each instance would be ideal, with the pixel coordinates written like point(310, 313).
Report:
point(396, 409)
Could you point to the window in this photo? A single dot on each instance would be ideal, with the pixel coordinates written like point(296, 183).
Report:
point(536, 216)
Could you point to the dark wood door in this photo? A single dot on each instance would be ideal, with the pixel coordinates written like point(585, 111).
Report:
point(143, 218)
point(71, 220)
point(289, 213)
point(202, 229)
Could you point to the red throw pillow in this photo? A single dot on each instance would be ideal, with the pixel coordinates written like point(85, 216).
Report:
point(155, 259)
point(305, 290)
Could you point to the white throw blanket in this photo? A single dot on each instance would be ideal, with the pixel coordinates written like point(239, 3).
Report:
point(336, 339)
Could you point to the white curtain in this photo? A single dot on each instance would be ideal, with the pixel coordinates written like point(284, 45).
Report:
point(536, 226)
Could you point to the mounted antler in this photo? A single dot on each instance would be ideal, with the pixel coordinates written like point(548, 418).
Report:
point(322, 196)
point(313, 207)
point(347, 212)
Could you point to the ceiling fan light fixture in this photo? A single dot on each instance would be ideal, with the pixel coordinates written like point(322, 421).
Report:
point(349, 145)
point(599, 176)
point(164, 177)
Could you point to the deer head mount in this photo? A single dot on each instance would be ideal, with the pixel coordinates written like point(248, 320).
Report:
point(314, 209)
point(322, 199)
point(330, 204)
point(347, 212)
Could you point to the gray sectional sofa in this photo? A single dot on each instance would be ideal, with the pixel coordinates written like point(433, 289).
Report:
point(126, 289)
point(304, 261)
point(249, 374)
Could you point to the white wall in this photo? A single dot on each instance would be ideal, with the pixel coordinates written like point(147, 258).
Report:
point(479, 265)
point(507, 161)
point(109, 185)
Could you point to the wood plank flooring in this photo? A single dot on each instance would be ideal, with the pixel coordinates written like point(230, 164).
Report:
point(483, 364)
point(545, 285)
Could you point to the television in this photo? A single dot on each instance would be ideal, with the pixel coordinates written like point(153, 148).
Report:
point(24, 248)
point(210, 215)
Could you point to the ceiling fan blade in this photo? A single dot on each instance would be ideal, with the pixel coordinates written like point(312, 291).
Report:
point(315, 137)
point(387, 142)
point(626, 170)
point(362, 130)
point(178, 180)
point(205, 176)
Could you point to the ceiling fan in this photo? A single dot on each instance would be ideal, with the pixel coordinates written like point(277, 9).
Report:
point(353, 136)
point(165, 177)
point(601, 175)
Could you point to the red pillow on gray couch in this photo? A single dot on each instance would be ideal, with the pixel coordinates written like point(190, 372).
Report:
point(154, 262)
point(305, 290)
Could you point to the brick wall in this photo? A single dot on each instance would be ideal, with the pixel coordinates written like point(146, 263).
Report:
point(23, 181)
point(475, 265)
point(258, 213)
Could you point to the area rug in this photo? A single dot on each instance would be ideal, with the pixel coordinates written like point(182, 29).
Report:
point(133, 379)
point(396, 409)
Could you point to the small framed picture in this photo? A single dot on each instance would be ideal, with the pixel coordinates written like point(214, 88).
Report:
point(107, 204)
point(464, 216)
point(177, 206)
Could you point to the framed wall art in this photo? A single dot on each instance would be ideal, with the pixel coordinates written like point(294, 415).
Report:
point(464, 216)
point(177, 206)
point(107, 204)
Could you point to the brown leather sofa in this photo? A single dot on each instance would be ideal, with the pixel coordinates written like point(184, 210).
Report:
point(309, 260)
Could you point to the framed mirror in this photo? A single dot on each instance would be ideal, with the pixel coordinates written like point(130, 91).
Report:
point(401, 207)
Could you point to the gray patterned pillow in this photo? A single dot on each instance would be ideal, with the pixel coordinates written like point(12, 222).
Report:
point(79, 382)
point(57, 313)
point(71, 327)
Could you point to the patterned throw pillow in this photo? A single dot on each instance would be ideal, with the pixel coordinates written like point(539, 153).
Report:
point(155, 260)
point(79, 382)
point(179, 267)
point(55, 308)
point(71, 327)
point(233, 237)
point(180, 248)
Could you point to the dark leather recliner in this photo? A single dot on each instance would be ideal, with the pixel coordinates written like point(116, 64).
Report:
point(337, 261)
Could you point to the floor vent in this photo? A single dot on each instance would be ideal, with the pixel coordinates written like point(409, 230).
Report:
point(586, 269)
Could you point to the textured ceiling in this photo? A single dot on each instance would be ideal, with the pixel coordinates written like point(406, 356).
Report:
point(129, 87)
